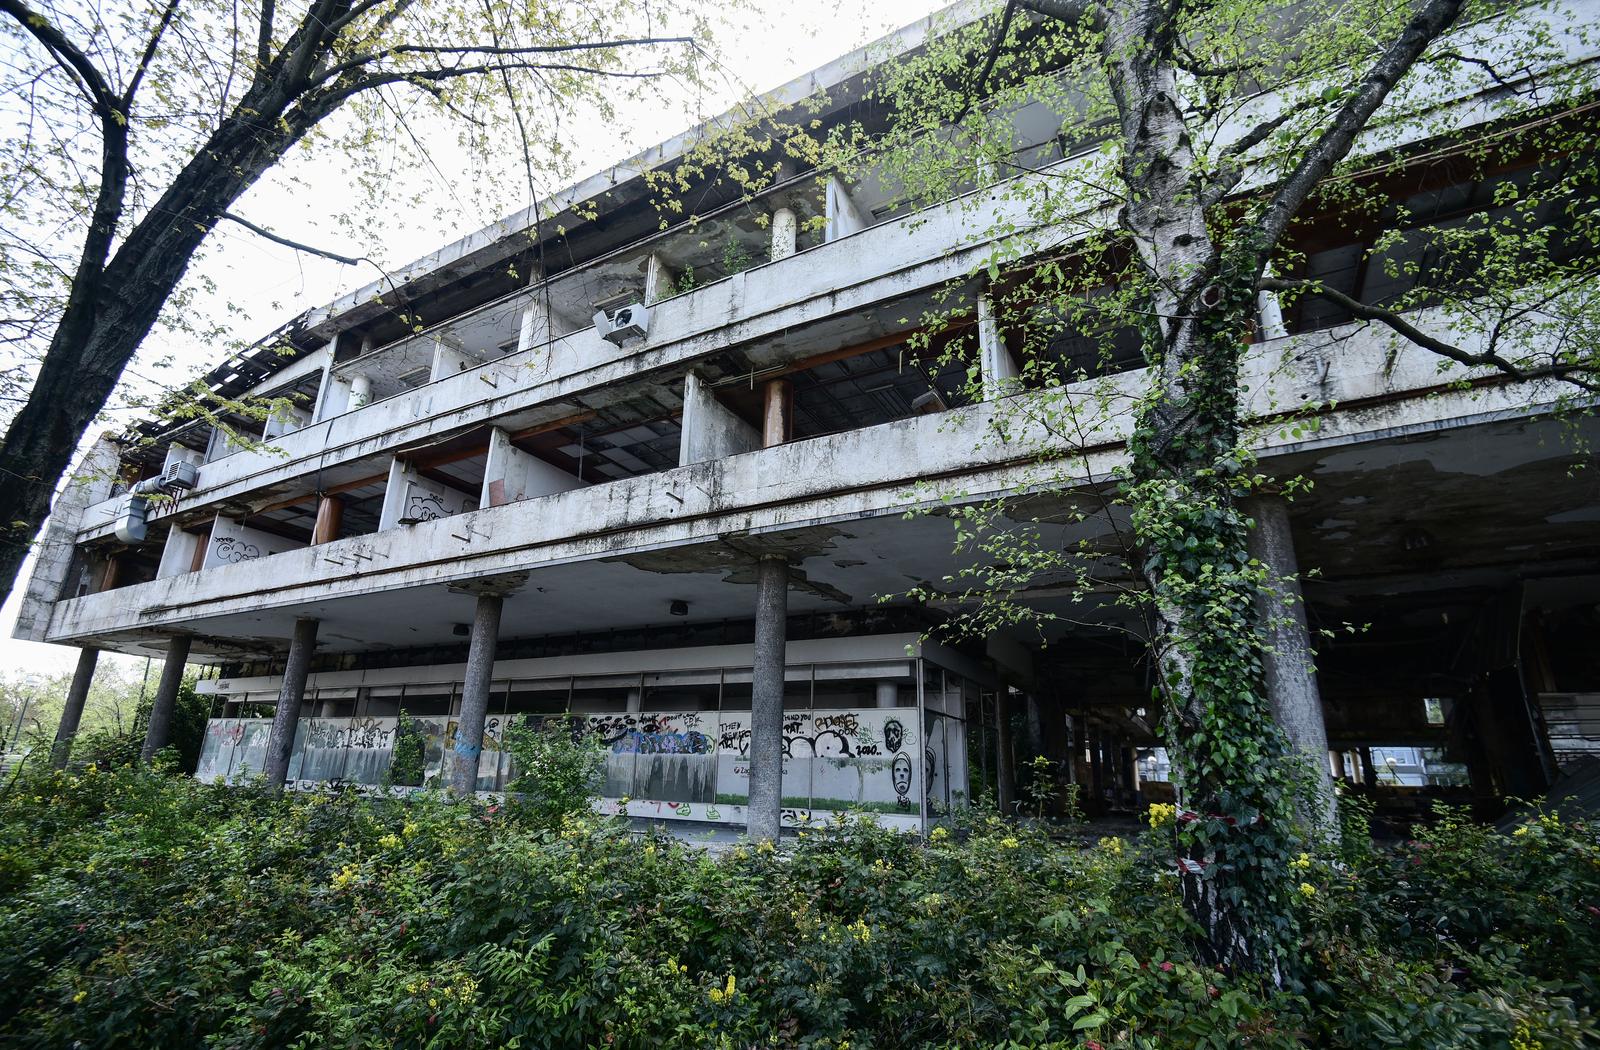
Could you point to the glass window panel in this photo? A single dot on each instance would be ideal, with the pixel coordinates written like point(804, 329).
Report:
point(602, 693)
point(681, 691)
point(543, 696)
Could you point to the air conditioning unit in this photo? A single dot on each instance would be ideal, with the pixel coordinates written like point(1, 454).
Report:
point(180, 474)
point(628, 322)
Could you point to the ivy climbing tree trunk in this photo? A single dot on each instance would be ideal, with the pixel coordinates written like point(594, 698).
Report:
point(1188, 470)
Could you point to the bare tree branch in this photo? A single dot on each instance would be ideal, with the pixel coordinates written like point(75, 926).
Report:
point(1065, 10)
point(66, 54)
point(336, 71)
point(989, 60)
point(1573, 374)
point(347, 260)
point(149, 53)
point(1432, 19)
point(1481, 63)
point(264, 33)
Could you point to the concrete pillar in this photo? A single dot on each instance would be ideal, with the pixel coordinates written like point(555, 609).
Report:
point(1289, 671)
point(1337, 758)
point(330, 516)
point(72, 714)
point(290, 695)
point(634, 701)
point(996, 367)
point(785, 232)
point(710, 430)
point(764, 813)
point(887, 695)
point(1005, 776)
point(1270, 312)
point(360, 391)
point(1097, 770)
point(159, 732)
point(777, 412)
point(475, 695)
point(843, 216)
point(658, 282)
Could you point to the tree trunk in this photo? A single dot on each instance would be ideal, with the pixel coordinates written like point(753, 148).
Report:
point(114, 306)
point(1233, 838)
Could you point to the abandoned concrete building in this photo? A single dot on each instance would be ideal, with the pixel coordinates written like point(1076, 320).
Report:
point(652, 473)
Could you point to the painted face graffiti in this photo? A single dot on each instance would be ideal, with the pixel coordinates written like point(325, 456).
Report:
point(894, 734)
point(901, 773)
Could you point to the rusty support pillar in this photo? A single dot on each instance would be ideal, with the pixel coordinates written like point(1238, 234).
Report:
point(777, 412)
point(330, 516)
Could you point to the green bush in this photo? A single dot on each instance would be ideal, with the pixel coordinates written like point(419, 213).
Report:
point(146, 910)
point(556, 767)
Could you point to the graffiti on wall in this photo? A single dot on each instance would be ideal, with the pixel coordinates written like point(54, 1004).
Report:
point(673, 765)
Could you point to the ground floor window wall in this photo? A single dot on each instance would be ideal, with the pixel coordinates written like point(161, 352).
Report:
point(889, 737)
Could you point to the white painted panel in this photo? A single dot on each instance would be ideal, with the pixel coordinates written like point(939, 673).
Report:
point(232, 543)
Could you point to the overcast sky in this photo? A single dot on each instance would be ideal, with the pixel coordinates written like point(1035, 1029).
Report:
point(259, 285)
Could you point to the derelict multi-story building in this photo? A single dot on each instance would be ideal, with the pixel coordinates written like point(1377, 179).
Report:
point(592, 492)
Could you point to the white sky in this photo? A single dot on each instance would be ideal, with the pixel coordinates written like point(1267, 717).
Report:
point(270, 284)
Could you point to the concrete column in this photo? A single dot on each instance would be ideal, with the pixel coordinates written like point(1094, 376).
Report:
point(1005, 777)
point(658, 282)
point(887, 695)
point(1289, 671)
point(360, 391)
point(710, 430)
point(1270, 312)
point(290, 695)
point(330, 516)
point(785, 232)
point(777, 412)
point(996, 367)
point(159, 732)
point(72, 714)
point(1337, 758)
point(763, 815)
point(843, 217)
point(475, 695)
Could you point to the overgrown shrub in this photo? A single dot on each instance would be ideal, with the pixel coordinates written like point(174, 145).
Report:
point(556, 767)
point(141, 910)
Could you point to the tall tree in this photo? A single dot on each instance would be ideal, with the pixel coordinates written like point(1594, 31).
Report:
point(1191, 142)
point(1221, 124)
point(134, 128)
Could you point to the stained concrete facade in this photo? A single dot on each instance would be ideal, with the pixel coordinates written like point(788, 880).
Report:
point(616, 449)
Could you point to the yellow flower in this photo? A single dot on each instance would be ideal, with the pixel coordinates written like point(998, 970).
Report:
point(721, 996)
point(1161, 814)
point(80, 997)
point(345, 876)
point(409, 829)
point(939, 834)
point(860, 930)
point(1009, 843)
point(1307, 890)
point(389, 841)
point(764, 846)
point(1112, 845)
point(1301, 863)
point(1521, 831)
